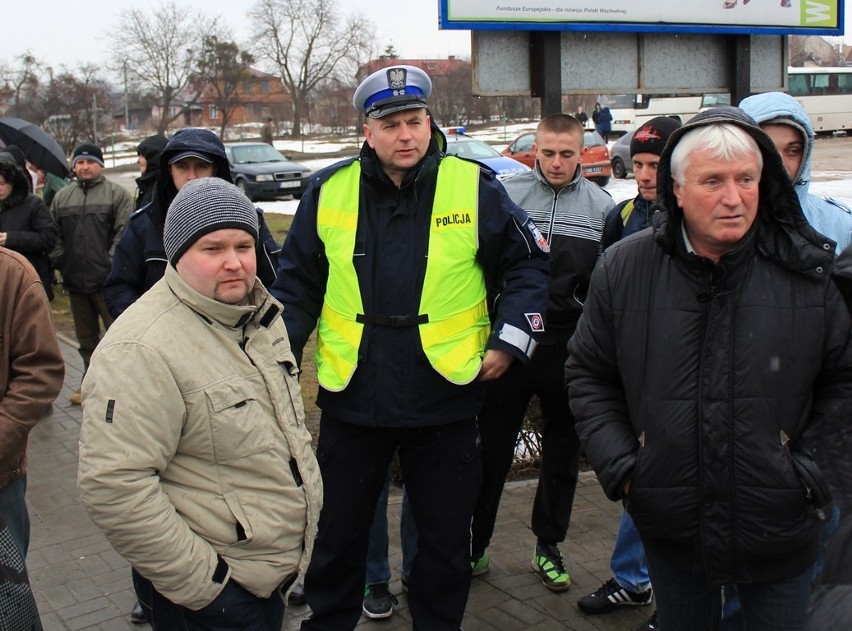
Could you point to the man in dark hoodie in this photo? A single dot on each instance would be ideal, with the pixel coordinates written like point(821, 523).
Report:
point(140, 258)
point(714, 355)
point(148, 153)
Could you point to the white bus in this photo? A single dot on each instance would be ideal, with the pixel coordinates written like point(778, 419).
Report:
point(826, 95)
point(629, 111)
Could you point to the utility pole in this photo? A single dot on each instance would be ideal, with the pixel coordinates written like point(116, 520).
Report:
point(126, 105)
point(95, 117)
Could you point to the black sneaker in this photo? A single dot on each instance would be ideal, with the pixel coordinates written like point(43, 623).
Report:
point(611, 595)
point(378, 602)
point(651, 624)
point(137, 614)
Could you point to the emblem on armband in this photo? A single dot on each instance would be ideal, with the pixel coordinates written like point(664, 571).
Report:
point(538, 237)
point(535, 321)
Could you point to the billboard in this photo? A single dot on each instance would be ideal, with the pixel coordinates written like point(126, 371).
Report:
point(795, 17)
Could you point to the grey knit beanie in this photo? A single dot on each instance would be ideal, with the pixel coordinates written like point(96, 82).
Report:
point(202, 206)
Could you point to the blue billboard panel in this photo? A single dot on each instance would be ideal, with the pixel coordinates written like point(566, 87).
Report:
point(764, 17)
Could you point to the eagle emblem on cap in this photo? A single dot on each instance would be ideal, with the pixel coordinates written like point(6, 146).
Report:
point(649, 133)
point(397, 78)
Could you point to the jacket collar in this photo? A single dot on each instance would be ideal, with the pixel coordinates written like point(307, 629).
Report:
point(781, 231)
point(261, 308)
point(372, 168)
point(578, 174)
point(91, 183)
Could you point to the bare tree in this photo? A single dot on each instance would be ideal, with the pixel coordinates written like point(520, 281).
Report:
point(160, 50)
point(333, 106)
point(452, 101)
point(20, 83)
point(308, 41)
point(69, 103)
point(222, 66)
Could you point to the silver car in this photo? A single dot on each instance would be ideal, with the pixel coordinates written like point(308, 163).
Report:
point(619, 156)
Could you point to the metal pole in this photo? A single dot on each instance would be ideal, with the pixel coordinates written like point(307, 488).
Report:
point(546, 70)
point(95, 118)
point(126, 104)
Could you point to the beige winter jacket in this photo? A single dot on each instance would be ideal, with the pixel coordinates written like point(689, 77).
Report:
point(191, 416)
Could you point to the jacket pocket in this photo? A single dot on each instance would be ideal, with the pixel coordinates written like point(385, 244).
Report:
point(237, 422)
point(290, 369)
point(817, 493)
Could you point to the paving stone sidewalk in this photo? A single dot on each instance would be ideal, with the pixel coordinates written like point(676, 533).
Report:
point(80, 582)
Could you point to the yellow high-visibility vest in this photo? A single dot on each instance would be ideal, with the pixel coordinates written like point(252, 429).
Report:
point(453, 316)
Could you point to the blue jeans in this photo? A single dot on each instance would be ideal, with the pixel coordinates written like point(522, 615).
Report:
point(831, 526)
point(13, 507)
point(687, 602)
point(234, 609)
point(628, 557)
point(378, 568)
point(731, 619)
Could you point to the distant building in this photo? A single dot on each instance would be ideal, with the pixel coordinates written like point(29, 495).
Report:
point(257, 96)
point(812, 50)
point(437, 69)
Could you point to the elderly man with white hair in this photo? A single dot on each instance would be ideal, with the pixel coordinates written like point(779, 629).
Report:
point(712, 357)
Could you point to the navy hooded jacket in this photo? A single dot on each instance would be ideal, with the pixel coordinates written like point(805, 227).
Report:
point(140, 258)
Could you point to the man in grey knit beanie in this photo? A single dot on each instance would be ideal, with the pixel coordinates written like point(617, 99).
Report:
point(195, 384)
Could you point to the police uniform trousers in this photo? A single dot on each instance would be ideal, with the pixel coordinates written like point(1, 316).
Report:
point(442, 473)
point(500, 421)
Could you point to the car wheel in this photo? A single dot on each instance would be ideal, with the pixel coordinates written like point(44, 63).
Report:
point(602, 181)
point(619, 171)
point(245, 189)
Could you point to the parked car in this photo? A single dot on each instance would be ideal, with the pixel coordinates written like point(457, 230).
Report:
point(462, 145)
point(594, 158)
point(264, 173)
point(622, 163)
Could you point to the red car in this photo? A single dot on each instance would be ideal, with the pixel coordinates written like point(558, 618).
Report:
point(594, 158)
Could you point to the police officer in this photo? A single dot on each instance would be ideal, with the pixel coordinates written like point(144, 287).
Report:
point(390, 251)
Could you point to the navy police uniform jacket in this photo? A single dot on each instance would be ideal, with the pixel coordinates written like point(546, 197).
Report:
point(394, 384)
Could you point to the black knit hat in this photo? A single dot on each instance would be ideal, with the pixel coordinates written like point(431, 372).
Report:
point(653, 135)
point(89, 152)
point(203, 206)
point(151, 148)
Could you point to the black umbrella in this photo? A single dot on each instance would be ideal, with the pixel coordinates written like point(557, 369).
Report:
point(38, 146)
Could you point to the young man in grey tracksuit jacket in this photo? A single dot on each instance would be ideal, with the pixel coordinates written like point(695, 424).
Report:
point(570, 212)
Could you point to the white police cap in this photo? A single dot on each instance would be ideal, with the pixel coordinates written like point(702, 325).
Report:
point(391, 90)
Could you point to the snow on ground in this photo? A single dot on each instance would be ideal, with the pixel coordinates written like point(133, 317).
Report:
point(836, 184)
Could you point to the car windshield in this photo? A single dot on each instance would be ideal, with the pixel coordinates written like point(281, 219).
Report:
point(255, 154)
point(471, 149)
point(592, 139)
